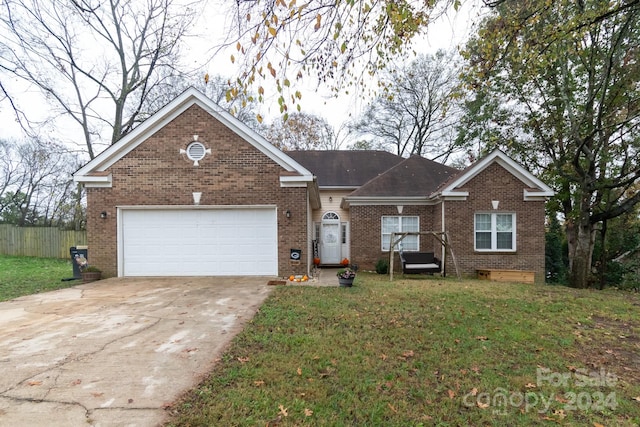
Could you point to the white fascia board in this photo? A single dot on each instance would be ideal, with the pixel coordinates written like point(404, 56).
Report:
point(172, 110)
point(457, 195)
point(200, 207)
point(537, 195)
point(296, 181)
point(147, 128)
point(380, 201)
point(94, 181)
point(252, 137)
point(506, 162)
point(338, 187)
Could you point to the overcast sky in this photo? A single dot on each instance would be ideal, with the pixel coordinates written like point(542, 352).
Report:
point(446, 33)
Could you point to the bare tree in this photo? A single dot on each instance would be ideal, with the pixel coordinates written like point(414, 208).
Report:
point(87, 57)
point(36, 185)
point(416, 110)
point(301, 131)
point(217, 89)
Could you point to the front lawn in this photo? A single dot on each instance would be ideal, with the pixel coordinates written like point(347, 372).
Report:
point(428, 352)
point(27, 275)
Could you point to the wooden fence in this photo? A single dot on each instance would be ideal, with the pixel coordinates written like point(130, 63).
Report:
point(44, 242)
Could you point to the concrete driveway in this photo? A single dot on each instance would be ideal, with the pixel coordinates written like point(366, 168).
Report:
point(118, 351)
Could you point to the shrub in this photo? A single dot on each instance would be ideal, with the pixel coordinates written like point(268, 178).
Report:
point(382, 266)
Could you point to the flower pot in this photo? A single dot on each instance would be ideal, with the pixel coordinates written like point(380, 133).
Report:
point(345, 283)
point(91, 276)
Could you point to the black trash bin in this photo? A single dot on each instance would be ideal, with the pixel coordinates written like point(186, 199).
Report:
point(77, 252)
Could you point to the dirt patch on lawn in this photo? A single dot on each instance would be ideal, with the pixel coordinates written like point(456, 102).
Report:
point(613, 345)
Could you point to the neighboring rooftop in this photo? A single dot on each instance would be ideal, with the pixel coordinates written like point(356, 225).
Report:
point(345, 168)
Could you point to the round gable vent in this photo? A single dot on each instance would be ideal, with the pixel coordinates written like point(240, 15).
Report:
point(196, 151)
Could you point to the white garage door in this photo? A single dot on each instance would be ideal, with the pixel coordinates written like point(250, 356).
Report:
point(198, 242)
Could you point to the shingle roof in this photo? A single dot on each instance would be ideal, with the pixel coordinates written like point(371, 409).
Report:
point(345, 168)
point(415, 176)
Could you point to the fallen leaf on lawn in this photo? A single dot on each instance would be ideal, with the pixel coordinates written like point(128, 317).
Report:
point(408, 353)
point(530, 385)
point(76, 382)
point(457, 341)
point(283, 411)
point(482, 338)
point(451, 393)
point(475, 369)
point(395, 411)
point(571, 368)
point(32, 383)
point(258, 383)
point(609, 351)
point(243, 359)
point(561, 399)
point(597, 425)
point(560, 413)
point(308, 412)
point(473, 391)
point(482, 405)
point(299, 371)
point(383, 356)
point(637, 398)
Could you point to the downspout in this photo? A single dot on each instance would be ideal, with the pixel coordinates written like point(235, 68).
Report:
point(443, 248)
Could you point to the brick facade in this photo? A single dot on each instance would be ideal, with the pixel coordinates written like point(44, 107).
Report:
point(496, 183)
point(235, 173)
point(493, 183)
point(366, 232)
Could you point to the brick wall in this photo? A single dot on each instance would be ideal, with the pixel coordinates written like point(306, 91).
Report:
point(496, 183)
point(366, 232)
point(154, 173)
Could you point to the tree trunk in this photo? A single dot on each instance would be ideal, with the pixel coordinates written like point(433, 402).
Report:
point(581, 239)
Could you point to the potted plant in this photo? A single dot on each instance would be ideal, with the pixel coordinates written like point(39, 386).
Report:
point(91, 274)
point(346, 276)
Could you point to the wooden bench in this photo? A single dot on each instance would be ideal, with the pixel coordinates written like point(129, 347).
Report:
point(419, 262)
point(497, 275)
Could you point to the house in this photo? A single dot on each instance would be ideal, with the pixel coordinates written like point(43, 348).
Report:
point(193, 191)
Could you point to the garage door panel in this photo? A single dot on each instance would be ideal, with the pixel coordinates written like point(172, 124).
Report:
point(199, 242)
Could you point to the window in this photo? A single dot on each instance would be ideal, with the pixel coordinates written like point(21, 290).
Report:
point(397, 224)
point(495, 232)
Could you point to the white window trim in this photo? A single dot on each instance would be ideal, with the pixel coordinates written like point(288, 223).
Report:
point(494, 232)
point(400, 223)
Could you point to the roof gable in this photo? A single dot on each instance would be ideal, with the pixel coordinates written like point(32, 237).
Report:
point(534, 188)
point(413, 177)
point(94, 172)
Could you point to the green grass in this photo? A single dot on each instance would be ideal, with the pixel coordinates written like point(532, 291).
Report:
point(427, 352)
point(26, 275)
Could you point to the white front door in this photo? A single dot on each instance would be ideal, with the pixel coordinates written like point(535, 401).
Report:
point(330, 242)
